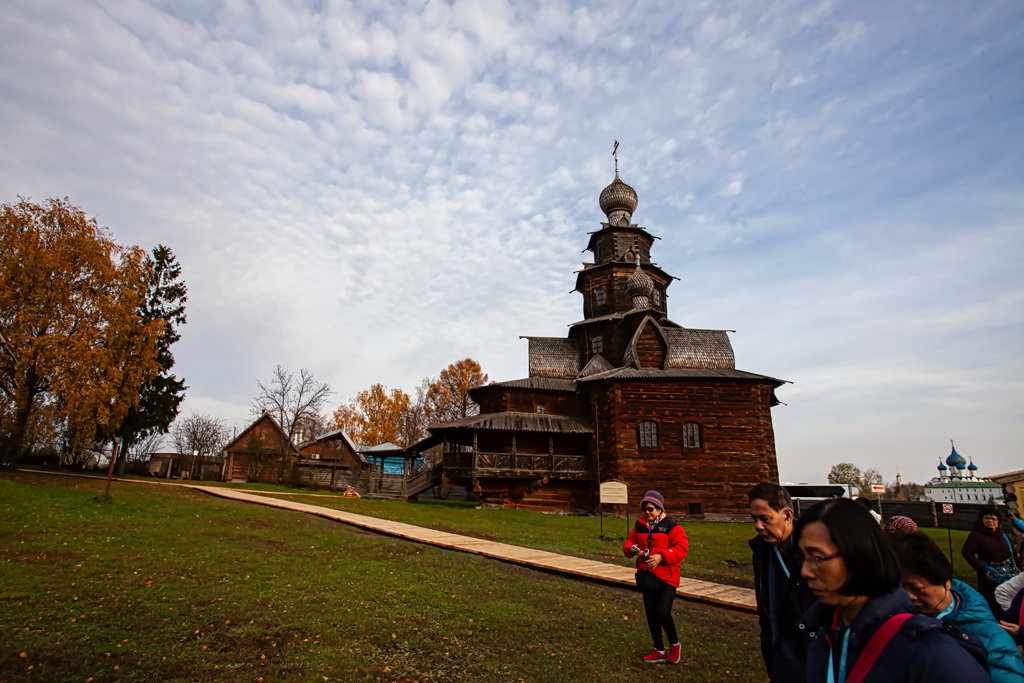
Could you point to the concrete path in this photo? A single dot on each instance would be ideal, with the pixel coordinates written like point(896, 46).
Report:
point(690, 589)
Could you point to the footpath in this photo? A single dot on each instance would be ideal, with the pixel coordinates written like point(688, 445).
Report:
point(690, 589)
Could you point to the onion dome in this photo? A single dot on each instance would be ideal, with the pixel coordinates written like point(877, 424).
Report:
point(942, 466)
point(620, 199)
point(640, 287)
point(972, 467)
point(956, 460)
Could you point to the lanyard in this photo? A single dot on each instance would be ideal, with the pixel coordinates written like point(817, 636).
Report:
point(650, 528)
point(779, 555)
point(952, 604)
point(842, 660)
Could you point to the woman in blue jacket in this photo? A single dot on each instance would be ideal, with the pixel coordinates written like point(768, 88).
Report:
point(863, 629)
point(928, 580)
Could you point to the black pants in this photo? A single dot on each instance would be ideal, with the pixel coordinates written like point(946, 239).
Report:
point(658, 597)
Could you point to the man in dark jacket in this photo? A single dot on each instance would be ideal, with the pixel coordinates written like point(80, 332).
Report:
point(782, 596)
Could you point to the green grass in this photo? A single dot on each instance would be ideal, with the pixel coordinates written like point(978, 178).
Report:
point(169, 583)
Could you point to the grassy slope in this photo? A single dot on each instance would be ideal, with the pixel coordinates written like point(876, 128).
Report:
point(172, 584)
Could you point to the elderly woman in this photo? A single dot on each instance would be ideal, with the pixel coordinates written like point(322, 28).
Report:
point(863, 627)
point(989, 551)
point(659, 546)
point(928, 579)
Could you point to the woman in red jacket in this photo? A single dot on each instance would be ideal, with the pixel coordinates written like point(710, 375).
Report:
point(659, 546)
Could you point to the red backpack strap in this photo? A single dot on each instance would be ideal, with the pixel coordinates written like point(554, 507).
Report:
point(874, 648)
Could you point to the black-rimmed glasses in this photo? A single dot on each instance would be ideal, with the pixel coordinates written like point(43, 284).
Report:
point(648, 508)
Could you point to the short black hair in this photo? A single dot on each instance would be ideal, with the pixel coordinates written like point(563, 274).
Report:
point(918, 554)
point(777, 497)
point(871, 565)
point(989, 511)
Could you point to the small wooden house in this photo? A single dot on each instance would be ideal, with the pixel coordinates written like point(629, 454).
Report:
point(336, 448)
point(262, 452)
point(628, 394)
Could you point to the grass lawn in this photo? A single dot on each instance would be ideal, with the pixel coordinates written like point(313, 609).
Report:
point(171, 584)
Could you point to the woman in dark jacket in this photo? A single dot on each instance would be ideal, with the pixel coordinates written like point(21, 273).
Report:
point(863, 627)
point(988, 550)
point(659, 546)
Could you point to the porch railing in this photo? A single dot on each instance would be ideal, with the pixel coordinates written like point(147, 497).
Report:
point(479, 463)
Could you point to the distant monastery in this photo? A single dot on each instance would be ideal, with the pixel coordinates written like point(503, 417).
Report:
point(958, 482)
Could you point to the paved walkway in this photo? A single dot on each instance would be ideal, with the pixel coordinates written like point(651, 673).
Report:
point(691, 589)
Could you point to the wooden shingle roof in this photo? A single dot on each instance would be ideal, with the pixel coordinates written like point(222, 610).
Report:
point(518, 422)
point(698, 349)
point(553, 357)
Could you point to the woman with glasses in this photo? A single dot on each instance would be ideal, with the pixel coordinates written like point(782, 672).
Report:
point(928, 580)
point(659, 546)
point(863, 629)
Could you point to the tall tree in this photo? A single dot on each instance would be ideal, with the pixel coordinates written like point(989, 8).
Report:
point(296, 403)
point(161, 398)
point(447, 397)
point(76, 353)
point(376, 416)
point(848, 473)
point(199, 435)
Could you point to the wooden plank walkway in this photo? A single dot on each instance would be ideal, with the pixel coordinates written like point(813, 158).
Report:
point(690, 589)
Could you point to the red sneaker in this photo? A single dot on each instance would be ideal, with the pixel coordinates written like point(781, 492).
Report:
point(675, 653)
point(655, 657)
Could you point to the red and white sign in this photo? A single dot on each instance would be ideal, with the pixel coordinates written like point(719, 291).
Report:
point(947, 508)
point(875, 488)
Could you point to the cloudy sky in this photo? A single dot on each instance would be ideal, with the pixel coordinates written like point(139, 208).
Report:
point(374, 190)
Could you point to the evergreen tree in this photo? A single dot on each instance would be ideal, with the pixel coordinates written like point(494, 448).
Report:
point(160, 400)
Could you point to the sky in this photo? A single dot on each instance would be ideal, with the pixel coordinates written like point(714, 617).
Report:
point(375, 190)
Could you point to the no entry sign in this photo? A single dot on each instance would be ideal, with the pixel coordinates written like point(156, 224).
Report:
point(947, 508)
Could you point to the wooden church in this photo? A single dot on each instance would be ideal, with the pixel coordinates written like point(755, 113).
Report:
point(628, 395)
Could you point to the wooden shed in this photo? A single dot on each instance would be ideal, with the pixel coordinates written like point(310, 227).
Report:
point(262, 452)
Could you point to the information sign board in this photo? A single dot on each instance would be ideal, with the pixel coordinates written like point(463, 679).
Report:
point(614, 492)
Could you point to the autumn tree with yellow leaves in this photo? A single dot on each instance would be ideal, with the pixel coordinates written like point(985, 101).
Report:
point(377, 415)
point(75, 351)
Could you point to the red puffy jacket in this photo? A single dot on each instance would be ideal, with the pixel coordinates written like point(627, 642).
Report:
point(667, 538)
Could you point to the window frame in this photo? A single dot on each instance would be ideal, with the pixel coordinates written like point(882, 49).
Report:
point(600, 296)
point(692, 429)
point(647, 437)
point(597, 344)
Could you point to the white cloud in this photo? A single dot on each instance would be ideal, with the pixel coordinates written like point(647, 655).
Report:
point(375, 193)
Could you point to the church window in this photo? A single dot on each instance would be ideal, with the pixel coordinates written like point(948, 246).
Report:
point(691, 435)
point(648, 434)
point(657, 297)
point(597, 344)
point(600, 296)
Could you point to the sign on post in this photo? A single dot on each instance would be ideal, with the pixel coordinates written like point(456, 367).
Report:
point(947, 508)
point(614, 492)
point(876, 488)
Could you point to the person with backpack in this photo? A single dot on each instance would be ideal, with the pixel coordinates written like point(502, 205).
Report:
point(659, 545)
point(863, 627)
point(927, 577)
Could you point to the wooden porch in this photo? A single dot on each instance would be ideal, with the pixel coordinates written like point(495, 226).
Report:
point(474, 463)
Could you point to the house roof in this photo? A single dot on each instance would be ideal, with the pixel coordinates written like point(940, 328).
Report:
point(381, 448)
point(330, 436)
point(595, 365)
point(542, 383)
point(518, 422)
point(688, 348)
point(261, 418)
point(697, 373)
point(553, 357)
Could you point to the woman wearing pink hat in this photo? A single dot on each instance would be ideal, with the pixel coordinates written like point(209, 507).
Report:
point(659, 546)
